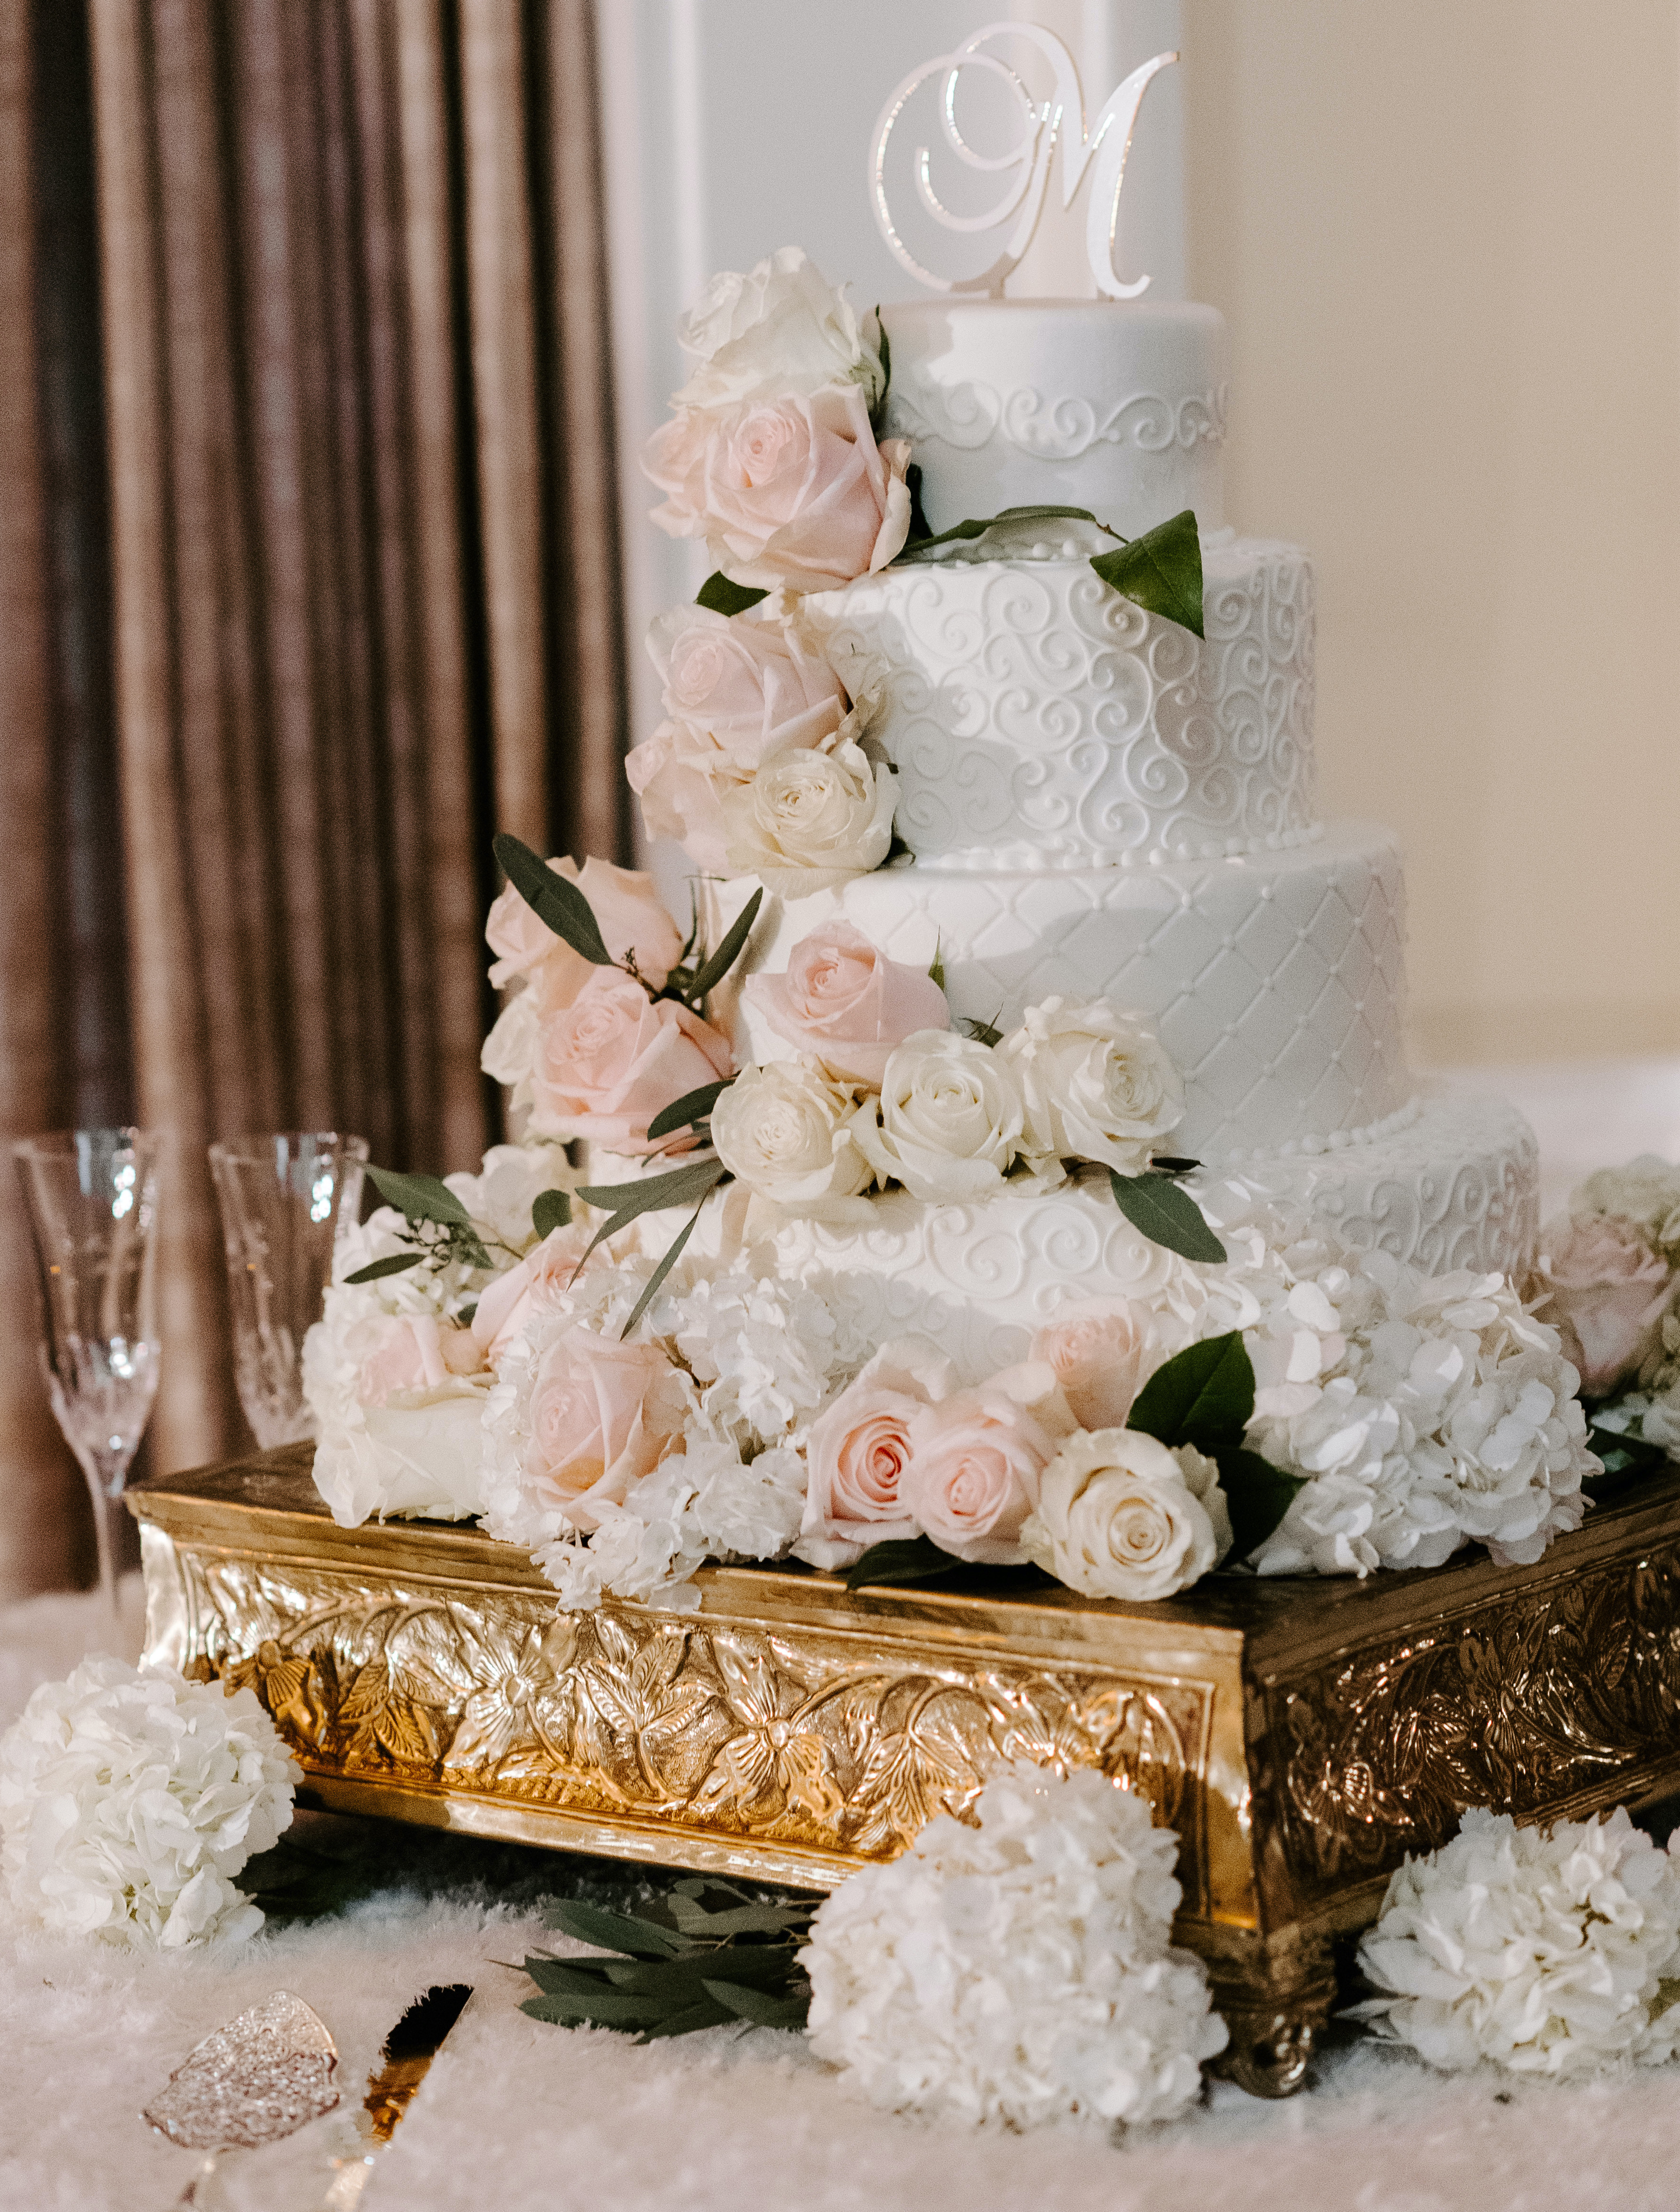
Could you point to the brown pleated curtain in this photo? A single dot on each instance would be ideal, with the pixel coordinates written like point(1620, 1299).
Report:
point(362, 610)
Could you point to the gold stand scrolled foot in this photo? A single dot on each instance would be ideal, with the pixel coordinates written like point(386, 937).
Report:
point(1275, 2008)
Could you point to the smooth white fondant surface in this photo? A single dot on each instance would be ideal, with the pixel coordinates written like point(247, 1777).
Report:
point(1112, 405)
point(1457, 1188)
point(1274, 979)
point(1039, 720)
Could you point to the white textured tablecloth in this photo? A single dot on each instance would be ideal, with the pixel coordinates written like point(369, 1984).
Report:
point(518, 2114)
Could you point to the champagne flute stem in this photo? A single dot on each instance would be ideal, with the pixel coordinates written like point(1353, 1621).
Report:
point(108, 1511)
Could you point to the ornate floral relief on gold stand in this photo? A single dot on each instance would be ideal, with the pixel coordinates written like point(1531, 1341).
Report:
point(1301, 1738)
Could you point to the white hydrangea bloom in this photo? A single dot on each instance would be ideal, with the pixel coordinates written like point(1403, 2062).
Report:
point(1425, 1412)
point(130, 1798)
point(1548, 1953)
point(1020, 1971)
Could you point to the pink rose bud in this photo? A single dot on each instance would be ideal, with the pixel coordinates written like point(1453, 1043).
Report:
point(609, 1062)
point(1604, 1290)
point(628, 912)
point(791, 491)
point(976, 1461)
point(602, 1415)
point(535, 1284)
point(415, 1352)
point(846, 1004)
point(859, 1451)
point(1102, 1351)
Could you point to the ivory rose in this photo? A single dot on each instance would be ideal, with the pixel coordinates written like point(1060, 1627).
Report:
point(809, 820)
point(1118, 1514)
point(787, 490)
point(1646, 1191)
point(976, 1461)
point(1604, 1290)
point(948, 1122)
point(783, 327)
point(609, 1062)
point(1096, 1083)
point(413, 1351)
point(845, 1002)
point(735, 689)
point(790, 1134)
point(507, 1305)
point(1103, 1350)
point(859, 1450)
point(628, 912)
point(602, 1415)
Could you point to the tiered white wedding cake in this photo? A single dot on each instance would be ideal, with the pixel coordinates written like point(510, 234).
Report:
point(1096, 803)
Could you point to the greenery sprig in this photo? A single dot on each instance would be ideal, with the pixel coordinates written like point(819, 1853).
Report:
point(680, 1965)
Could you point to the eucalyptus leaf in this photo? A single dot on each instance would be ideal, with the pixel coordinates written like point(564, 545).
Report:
point(707, 2013)
point(936, 967)
point(1161, 571)
point(673, 1252)
point(1257, 1495)
point(1166, 1214)
point(613, 1931)
point(693, 1106)
point(605, 2008)
point(627, 1201)
point(718, 966)
point(1203, 1396)
point(396, 1264)
point(1170, 1163)
point(422, 1198)
point(723, 597)
point(919, 532)
point(910, 1560)
point(550, 1210)
point(1623, 1453)
point(986, 1033)
point(556, 902)
point(921, 549)
point(758, 2005)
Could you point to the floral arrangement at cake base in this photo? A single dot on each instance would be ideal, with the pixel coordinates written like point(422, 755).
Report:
point(130, 1798)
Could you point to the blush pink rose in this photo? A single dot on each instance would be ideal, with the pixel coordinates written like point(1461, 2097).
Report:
point(846, 1004)
point(976, 1458)
point(859, 1450)
point(415, 1352)
point(514, 1299)
point(628, 911)
point(792, 491)
point(1605, 1294)
point(607, 1063)
point(602, 1415)
point(1101, 1350)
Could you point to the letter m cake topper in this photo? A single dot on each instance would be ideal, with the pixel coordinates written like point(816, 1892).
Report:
point(1025, 166)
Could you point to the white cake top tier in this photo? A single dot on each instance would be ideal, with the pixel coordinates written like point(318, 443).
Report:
point(1117, 406)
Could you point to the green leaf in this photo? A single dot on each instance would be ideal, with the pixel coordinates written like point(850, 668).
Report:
point(913, 1559)
point(707, 2013)
point(607, 2009)
point(984, 1033)
point(673, 1252)
point(920, 549)
point(886, 359)
point(724, 958)
point(1160, 571)
point(695, 1920)
point(550, 1210)
point(1258, 1495)
point(613, 1931)
point(1168, 1164)
point(1166, 1214)
point(936, 966)
point(628, 1200)
point(558, 904)
point(1623, 1453)
point(394, 1265)
point(919, 532)
point(568, 1977)
point(1204, 1395)
point(422, 1198)
point(693, 1106)
point(758, 2005)
point(725, 598)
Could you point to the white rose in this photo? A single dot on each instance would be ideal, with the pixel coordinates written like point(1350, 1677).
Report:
point(1117, 1517)
point(510, 1049)
point(1096, 1084)
point(781, 328)
point(949, 1120)
point(809, 820)
point(790, 1135)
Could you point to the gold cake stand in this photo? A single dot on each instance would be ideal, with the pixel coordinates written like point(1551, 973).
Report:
point(1301, 1735)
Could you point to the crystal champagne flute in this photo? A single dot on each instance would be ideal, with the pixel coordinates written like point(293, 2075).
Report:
point(92, 1200)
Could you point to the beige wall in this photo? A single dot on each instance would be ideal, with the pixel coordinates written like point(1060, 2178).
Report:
point(1446, 236)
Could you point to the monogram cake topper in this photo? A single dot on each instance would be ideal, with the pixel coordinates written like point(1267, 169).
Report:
point(1025, 166)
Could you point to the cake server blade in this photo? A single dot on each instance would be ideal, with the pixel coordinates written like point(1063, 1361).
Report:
point(408, 2052)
